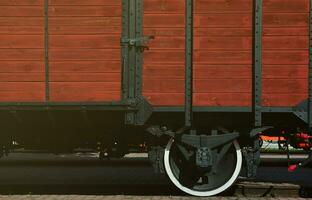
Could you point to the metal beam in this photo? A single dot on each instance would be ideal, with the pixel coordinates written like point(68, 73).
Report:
point(139, 52)
point(257, 63)
point(125, 49)
point(310, 69)
point(46, 50)
point(189, 63)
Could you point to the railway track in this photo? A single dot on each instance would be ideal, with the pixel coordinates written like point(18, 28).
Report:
point(86, 175)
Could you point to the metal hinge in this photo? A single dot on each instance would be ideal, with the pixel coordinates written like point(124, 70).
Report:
point(137, 42)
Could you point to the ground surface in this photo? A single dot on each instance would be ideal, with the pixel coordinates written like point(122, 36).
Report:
point(83, 176)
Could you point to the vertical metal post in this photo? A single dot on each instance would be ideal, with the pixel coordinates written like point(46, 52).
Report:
point(132, 49)
point(125, 49)
point(189, 63)
point(139, 53)
point(310, 69)
point(46, 49)
point(130, 59)
point(132, 52)
point(257, 63)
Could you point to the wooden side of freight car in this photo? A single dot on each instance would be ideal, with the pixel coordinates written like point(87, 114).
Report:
point(84, 51)
point(223, 52)
point(22, 51)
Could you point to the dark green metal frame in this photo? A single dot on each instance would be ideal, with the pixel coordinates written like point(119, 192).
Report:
point(133, 45)
point(310, 69)
point(46, 49)
point(189, 62)
point(257, 62)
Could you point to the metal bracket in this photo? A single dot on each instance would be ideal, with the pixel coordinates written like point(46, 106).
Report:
point(301, 111)
point(137, 42)
point(210, 141)
point(143, 113)
point(256, 131)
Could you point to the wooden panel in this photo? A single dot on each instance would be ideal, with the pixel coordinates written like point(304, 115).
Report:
point(22, 77)
point(22, 91)
point(87, 21)
point(83, 30)
point(29, 95)
point(84, 54)
point(102, 11)
point(20, 2)
point(21, 11)
point(223, 56)
point(85, 66)
point(21, 21)
point(223, 6)
point(21, 66)
point(85, 2)
point(282, 99)
point(84, 77)
point(85, 50)
point(201, 86)
point(85, 41)
point(21, 41)
point(200, 99)
point(288, 21)
point(164, 62)
point(21, 54)
point(21, 30)
point(298, 6)
point(85, 91)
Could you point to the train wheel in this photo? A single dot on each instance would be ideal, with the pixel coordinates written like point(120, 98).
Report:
point(184, 173)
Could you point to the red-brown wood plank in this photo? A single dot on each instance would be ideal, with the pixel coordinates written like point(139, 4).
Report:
point(84, 77)
point(85, 41)
point(21, 54)
point(85, 54)
point(74, 11)
point(21, 86)
point(21, 11)
point(21, 21)
point(21, 41)
point(21, 66)
point(22, 77)
point(85, 91)
point(217, 6)
point(282, 99)
point(200, 99)
point(30, 95)
point(85, 2)
point(22, 30)
point(85, 66)
point(286, 42)
point(83, 30)
point(297, 6)
point(88, 21)
point(21, 2)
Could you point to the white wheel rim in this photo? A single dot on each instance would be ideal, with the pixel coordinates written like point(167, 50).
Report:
point(216, 191)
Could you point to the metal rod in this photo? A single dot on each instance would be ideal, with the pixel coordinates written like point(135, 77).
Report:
point(125, 49)
point(257, 63)
point(139, 52)
point(310, 69)
point(46, 49)
point(189, 63)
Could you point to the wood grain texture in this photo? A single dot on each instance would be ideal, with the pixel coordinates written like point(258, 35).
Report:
point(85, 50)
point(22, 77)
point(223, 52)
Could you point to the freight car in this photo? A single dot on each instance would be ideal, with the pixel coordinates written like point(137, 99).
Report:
point(197, 81)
